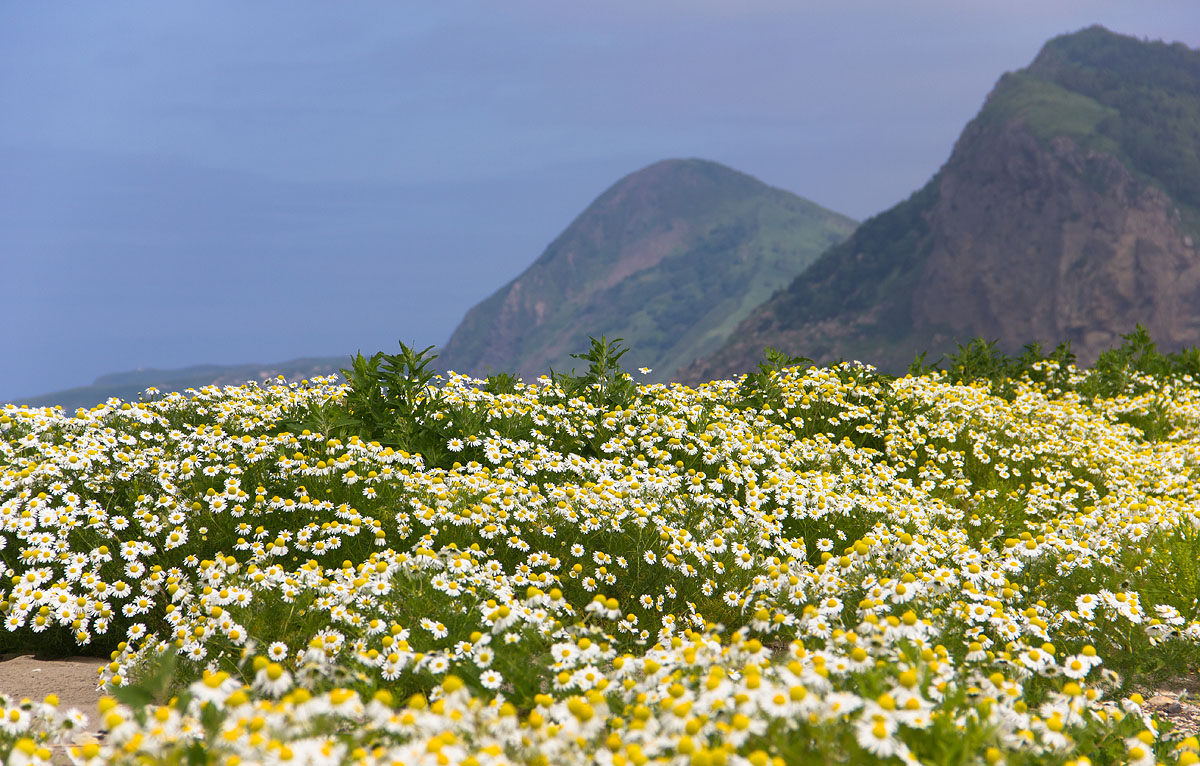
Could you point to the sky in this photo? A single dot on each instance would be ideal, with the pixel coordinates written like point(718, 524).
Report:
point(222, 182)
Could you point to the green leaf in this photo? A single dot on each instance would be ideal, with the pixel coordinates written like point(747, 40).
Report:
point(153, 686)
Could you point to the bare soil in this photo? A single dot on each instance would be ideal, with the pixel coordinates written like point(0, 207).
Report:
point(73, 679)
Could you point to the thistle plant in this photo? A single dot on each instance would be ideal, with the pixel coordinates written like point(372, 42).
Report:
point(393, 398)
point(604, 384)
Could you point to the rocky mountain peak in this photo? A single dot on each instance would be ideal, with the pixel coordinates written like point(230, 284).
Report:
point(1068, 211)
point(669, 258)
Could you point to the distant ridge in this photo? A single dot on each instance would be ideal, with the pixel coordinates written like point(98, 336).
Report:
point(669, 258)
point(1069, 210)
point(128, 385)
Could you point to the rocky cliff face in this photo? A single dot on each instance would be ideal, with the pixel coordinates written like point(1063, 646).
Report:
point(669, 259)
point(1054, 242)
point(1053, 220)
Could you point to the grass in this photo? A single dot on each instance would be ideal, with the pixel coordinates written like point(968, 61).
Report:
point(1051, 110)
point(816, 564)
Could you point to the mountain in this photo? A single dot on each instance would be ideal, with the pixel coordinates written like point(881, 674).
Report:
point(1069, 209)
point(128, 385)
point(670, 259)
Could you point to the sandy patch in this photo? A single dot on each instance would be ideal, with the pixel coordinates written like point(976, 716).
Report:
point(73, 679)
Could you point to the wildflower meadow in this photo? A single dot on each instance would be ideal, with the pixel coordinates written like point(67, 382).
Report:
point(974, 563)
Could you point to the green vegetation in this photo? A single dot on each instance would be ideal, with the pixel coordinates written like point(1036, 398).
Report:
point(1050, 110)
point(605, 385)
point(1153, 93)
point(671, 258)
point(1131, 369)
point(1138, 101)
point(976, 562)
point(868, 271)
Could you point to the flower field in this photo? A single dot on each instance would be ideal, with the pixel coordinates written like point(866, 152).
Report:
point(818, 564)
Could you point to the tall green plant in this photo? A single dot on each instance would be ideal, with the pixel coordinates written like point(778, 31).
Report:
point(761, 388)
point(604, 384)
point(982, 360)
point(1116, 369)
point(393, 397)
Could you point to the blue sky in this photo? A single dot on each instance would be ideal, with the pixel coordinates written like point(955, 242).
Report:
point(224, 182)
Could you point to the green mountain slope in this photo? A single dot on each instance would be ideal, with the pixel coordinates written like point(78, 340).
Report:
point(1068, 210)
point(670, 258)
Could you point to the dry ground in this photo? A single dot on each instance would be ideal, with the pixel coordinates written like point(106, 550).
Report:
point(73, 679)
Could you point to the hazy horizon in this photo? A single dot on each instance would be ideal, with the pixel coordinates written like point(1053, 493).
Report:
point(191, 183)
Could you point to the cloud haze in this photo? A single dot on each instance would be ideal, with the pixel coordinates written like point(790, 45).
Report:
point(194, 182)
